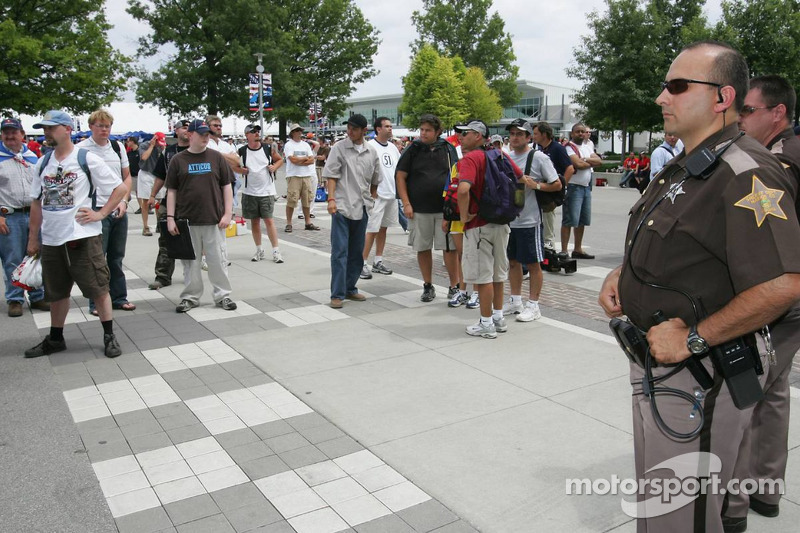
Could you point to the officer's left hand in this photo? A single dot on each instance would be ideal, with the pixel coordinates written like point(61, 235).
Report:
point(668, 341)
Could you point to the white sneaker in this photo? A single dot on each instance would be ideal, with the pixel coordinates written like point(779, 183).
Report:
point(204, 265)
point(474, 301)
point(260, 255)
point(530, 312)
point(366, 273)
point(479, 330)
point(511, 308)
point(276, 256)
point(500, 325)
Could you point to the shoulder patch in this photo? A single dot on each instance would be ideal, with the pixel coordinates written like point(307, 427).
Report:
point(763, 201)
point(739, 160)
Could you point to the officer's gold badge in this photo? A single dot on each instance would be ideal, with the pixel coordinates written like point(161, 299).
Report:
point(763, 201)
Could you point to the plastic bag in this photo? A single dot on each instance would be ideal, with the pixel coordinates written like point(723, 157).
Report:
point(28, 275)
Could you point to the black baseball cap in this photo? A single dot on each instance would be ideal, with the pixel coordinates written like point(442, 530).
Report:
point(520, 123)
point(358, 121)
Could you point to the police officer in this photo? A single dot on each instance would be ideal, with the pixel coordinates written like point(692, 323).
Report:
point(766, 117)
point(727, 240)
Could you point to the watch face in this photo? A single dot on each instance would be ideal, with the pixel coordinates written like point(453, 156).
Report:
point(697, 346)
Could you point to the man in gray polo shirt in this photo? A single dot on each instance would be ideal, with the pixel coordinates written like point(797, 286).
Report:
point(352, 172)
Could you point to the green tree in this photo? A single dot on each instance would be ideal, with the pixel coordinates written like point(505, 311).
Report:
point(433, 85)
point(465, 28)
point(309, 52)
point(767, 32)
point(56, 55)
point(481, 101)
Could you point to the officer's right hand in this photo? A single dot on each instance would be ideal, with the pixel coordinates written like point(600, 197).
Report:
point(4, 227)
point(408, 211)
point(172, 227)
point(609, 294)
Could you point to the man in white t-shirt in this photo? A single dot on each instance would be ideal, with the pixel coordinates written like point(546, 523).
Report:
point(228, 151)
point(260, 162)
point(71, 244)
point(525, 244)
point(115, 226)
point(577, 209)
point(383, 212)
point(300, 174)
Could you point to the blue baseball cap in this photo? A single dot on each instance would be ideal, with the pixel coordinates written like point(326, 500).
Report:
point(11, 123)
point(55, 118)
point(199, 125)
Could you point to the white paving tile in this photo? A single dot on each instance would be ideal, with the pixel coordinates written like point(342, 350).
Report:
point(225, 357)
point(193, 448)
point(286, 318)
point(320, 521)
point(199, 361)
point(361, 509)
point(327, 312)
point(163, 398)
point(121, 396)
point(402, 496)
point(203, 314)
point(130, 481)
point(82, 392)
point(212, 413)
point(379, 478)
point(406, 299)
point(319, 473)
point(214, 346)
point(237, 395)
point(297, 503)
point(90, 413)
point(224, 425)
point(126, 406)
point(180, 489)
point(322, 296)
point(115, 467)
point(161, 456)
point(292, 409)
point(358, 462)
point(86, 402)
point(132, 502)
point(163, 368)
point(115, 386)
point(280, 484)
point(223, 478)
point(187, 351)
point(307, 315)
point(158, 354)
point(204, 401)
point(210, 461)
point(164, 473)
point(340, 490)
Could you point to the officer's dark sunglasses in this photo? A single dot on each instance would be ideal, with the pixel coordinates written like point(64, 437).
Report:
point(681, 85)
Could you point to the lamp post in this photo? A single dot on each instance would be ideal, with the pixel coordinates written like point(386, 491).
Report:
point(260, 70)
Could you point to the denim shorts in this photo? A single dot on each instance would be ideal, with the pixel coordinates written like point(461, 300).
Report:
point(577, 208)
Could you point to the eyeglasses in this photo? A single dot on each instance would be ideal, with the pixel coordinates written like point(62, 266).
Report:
point(215, 125)
point(681, 85)
point(749, 110)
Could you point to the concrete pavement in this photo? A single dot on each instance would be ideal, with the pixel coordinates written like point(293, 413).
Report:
point(383, 416)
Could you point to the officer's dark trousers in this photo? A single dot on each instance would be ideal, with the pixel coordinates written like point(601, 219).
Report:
point(721, 435)
point(765, 446)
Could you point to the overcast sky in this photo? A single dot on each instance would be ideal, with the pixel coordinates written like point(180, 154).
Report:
point(544, 34)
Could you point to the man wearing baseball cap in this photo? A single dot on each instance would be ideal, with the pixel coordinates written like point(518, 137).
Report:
point(16, 174)
point(300, 174)
point(71, 247)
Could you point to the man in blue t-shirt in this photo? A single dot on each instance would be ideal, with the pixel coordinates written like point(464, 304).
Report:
point(543, 137)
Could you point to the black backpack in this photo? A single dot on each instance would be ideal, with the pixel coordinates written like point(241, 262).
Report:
point(548, 200)
point(267, 152)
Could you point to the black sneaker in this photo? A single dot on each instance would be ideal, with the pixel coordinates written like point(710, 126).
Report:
point(227, 304)
point(428, 292)
point(112, 345)
point(46, 347)
point(380, 268)
point(452, 291)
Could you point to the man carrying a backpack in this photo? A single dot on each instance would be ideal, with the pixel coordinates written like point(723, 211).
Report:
point(484, 261)
point(259, 164)
point(71, 243)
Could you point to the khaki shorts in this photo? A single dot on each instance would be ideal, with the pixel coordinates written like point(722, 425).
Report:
point(425, 233)
point(82, 262)
point(484, 259)
point(299, 188)
point(257, 206)
point(382, 215)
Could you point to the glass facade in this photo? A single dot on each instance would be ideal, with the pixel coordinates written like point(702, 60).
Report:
point(526, 108)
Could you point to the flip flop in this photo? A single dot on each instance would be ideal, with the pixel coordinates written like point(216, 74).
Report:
point(312, 227)
point(94, 312)
point(127, 306)
point(288, 228)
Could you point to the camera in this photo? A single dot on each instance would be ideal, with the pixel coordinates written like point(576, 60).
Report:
point(554, 262)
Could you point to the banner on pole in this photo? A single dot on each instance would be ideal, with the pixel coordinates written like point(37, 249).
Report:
point(253, 88)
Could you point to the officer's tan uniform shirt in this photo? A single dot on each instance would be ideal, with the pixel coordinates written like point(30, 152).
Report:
point(710, 238)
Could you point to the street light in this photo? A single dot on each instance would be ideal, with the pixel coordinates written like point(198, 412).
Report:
point(260, 70)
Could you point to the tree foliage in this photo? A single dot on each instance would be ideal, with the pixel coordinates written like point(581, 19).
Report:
point(56, 55)
point(767, 32)
point(464, 28)
point(308, 50)
point(432, 85)
point(481, 101)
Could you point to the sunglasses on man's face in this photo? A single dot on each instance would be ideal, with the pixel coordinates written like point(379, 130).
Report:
point(749, 110)
point(681, 85)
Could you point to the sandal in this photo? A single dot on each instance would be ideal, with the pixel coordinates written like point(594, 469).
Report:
point(312, 215)
point(300, 217)
point(288, 228)
point(312, 227)
point(94, 312)
point(127, 306)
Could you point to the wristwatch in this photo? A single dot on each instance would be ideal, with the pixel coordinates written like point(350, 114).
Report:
point(697, 345)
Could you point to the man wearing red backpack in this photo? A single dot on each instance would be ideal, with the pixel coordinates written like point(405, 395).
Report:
point(484, 261)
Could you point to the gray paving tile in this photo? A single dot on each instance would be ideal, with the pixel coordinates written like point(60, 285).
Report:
point(321, 433)
point(186, 383)
point(307, 455)
point(191, 509)
point(146, 443)
point(195, 336)
point(102, 436)
point(278, 527)
point(241, 368)
point(248, 452)
point(194, 392)
point(178, 421)
point(148, 521)
point(284, 443)
point(238, 496)
point(155, 343)
point(177, 375)
point(138, 370)
point(272, 429)
point(427, 516)
point(74, 370)
point(307, 421)
point(139, 429)
point(134, 417)
point(168, 530)
point(264, 467)
point(232, 439)
point(252, 516)
point(187, 433)
point(170, 409)
point(385, 524)
point(90, 426)
point(456, 527)
point(212, 374)
point(78, 353)
point(76, 382)
point(225, 386)
point(338, 447)
point(108, 377)
point(112, 450)
point(256, 380)
point(212, 524)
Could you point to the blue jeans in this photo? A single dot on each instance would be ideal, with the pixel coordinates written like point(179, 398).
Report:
point(12, 251)
point(115, 238)
point(347, 246)
point(577, 208)
point(402, 216)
